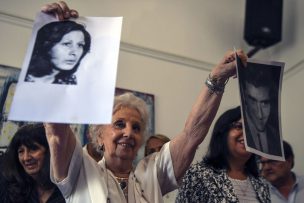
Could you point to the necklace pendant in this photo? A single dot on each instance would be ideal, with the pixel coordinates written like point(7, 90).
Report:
point(123, 185)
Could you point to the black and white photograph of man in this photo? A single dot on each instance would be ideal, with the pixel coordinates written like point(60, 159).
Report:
point(260, 87)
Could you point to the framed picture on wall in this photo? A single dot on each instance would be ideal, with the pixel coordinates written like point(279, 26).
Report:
point(7, 128)
point(7, 71)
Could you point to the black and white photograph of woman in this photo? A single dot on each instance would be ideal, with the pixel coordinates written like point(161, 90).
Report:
point(57, 54)
point(74, 60)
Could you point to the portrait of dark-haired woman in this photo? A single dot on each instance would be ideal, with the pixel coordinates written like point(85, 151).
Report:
point(57, 54)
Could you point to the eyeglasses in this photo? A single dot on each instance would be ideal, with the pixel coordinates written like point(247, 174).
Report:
point(236, 125)
point(270, 162)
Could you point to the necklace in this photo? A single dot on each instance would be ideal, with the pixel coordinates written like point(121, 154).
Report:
point(123, 183)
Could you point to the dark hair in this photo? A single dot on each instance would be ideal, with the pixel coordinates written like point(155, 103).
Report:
point(20, 185)
point(288, 152)
point(218, 151)
point(48, 36)
point(263, 76)
point(259, 76)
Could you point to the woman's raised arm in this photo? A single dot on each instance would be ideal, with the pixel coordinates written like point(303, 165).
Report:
point(60, 136)
point(62, 143)
point(184, 145)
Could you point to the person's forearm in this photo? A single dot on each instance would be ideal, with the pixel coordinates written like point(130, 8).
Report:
point(204, 110)
point(195, 131)
point(62, 144)
point(183, 146)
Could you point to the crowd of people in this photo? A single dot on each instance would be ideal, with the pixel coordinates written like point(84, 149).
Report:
point(47, 163)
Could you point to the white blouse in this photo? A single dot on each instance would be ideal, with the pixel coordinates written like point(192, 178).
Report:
point(244, 190)
point(90, 182)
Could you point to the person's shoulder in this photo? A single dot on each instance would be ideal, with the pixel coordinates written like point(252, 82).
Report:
point(197, 167)
point(262, 180)
point(201, 169)
point(299, 179)
point(194, 178)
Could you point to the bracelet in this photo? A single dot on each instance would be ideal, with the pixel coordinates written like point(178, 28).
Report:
point(214, 86)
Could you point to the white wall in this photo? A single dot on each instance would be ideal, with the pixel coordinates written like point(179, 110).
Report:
point(292, 116)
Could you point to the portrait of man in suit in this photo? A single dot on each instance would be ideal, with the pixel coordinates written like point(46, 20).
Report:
point(260, 90)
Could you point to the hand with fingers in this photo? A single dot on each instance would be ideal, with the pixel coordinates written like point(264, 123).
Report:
point(227, 67)
point(61, 10)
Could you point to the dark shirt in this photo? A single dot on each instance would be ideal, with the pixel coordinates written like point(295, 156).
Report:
point(56, 196)
point(272, 138)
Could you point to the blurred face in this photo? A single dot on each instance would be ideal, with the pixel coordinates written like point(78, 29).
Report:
point(275, 171)
point(258, 105)
point(154, 145)
point(31, 159)
point(124, 136)
point(236, 144)
point(66, 53)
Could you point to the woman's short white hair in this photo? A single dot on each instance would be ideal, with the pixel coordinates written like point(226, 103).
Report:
point(127, 100)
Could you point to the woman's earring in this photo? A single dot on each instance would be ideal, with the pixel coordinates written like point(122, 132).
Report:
point(101, 148)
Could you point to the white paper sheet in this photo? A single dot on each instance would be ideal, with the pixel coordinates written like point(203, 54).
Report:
point(260, 95)
point(90, 101)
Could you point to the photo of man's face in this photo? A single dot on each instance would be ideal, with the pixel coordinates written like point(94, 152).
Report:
point(258, 104)
point(260, 88)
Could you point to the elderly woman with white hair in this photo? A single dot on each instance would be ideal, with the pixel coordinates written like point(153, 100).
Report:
point(115, 178)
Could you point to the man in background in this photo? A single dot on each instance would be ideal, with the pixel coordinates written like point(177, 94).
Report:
point(285, 185)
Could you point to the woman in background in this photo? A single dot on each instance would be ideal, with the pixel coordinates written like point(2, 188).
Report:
point(228, 173)
point(155, 143)
point(58, 51)
point(25, 169)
